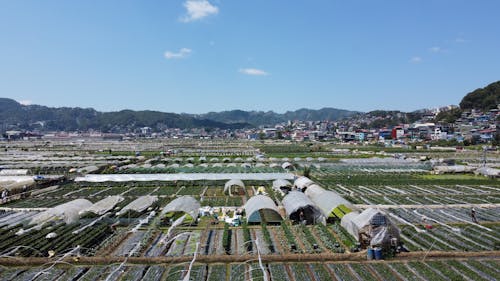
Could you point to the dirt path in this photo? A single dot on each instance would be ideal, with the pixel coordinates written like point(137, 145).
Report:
point(340, 258)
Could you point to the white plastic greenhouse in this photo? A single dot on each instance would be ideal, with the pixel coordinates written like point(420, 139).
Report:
point(184, 177)
point(302, 183)
point(300, 208)
point(103, 206)
point(138, 205)
point(282, 186)
point(233, 183)
point(185, 204)
point(261, 208)
point(68, 212)
point(371, 227)
point(330, 202)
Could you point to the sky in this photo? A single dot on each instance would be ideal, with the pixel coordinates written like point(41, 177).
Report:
point(213, 55)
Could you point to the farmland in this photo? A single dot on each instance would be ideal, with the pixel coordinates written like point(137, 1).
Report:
point(433, 213)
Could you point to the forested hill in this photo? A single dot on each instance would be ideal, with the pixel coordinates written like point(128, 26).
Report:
point(13, 115)
point(258, 118)
point(484, 98)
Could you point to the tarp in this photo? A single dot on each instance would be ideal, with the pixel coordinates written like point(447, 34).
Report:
point(264, 203)
point(185, 177)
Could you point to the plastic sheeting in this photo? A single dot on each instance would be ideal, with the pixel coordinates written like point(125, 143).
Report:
point(264, 203)
point(140, 204)
point(185, 177)
point(279, 184)
point(186, 204)
point(68, 212)
point(103, 206)
point(371, 225)
point(489, 172)
point(326, 200)
point(299, 207)
point(302, 183)
point(231, 183)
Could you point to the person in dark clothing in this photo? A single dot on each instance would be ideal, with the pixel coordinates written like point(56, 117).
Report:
point(473, 215)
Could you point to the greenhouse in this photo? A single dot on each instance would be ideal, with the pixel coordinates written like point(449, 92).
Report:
point(138, 205)
point(300, 208)
point(180, 206)
point(302, 183)
point(371, 227)
point(331, 203)
point(262, 209)
point(287, 166)
point(183, 177)
point(488, 172)
point(68, 212)
point(283, 186)
point(236, 184)
point(103, 206)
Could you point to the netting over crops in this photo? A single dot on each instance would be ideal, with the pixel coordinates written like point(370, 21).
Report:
point(184, 176)
point(68, 212)
point(261, 206)
point(104, 205)
point(185, 204)
point(299, 207)
point(371, 227)
point(140, 204)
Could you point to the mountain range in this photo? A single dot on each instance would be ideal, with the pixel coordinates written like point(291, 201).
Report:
point(14, 115)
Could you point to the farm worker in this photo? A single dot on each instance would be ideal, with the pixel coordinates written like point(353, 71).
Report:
point(473, 215)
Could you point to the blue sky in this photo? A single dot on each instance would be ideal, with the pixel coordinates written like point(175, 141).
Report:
point(200, 56)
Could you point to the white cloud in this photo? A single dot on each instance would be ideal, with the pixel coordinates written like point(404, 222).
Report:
point(198, 9)
point(253, 71)
point(460, 40)
point(416, 60)
point(436, 49)
point(25, 102)
point(184, 52)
